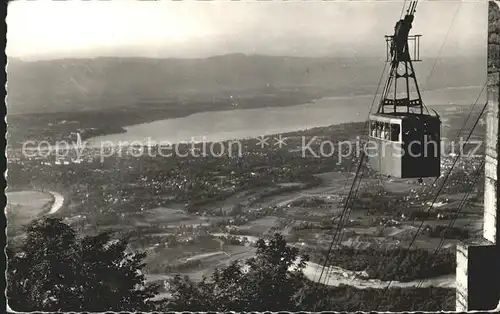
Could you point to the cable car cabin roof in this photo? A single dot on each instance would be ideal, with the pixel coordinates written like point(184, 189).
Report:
point(397, 117)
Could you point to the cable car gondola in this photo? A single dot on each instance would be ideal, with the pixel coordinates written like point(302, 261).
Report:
point(404, 141)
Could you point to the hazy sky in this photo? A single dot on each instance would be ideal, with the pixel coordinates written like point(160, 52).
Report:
point(54, 29)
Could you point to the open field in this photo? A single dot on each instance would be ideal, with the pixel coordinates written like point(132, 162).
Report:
point(25, 206)
point(259, 227)
point(198, 265)
point(168, 217)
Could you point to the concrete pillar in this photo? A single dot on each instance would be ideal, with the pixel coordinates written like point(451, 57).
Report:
point(478, 262)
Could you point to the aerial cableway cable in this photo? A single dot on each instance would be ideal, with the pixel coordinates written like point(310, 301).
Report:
point(427, 80)
point(344, 216)
point(403, 9)
point(339, 225)
point(349, 207)
point(462, 204)
point(349, 202)
point(434, 200)
point(442, 46)
point(351, 195)
point(443, 43)
point(437, 194)
point(354, 181)
point(457, 138)
point(350, 169)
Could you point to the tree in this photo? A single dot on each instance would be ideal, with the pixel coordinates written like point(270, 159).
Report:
point(270, 281)
point(38, 271)
point(54, 270)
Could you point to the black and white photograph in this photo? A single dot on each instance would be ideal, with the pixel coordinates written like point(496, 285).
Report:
point(252, 155)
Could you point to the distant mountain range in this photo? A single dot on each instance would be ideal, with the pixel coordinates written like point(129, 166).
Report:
point(66, 85)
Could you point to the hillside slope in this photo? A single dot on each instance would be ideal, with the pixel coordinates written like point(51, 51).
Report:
point(82, 84)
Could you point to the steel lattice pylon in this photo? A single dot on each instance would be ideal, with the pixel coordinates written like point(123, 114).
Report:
point(401, 57)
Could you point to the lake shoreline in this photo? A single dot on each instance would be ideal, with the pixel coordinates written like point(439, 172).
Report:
point(247, 123)
point(113, 122)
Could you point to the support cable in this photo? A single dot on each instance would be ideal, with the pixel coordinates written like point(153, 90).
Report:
point(462, 204)
point(350, 169)
point(434, 200)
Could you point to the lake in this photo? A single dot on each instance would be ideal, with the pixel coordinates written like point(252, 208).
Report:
point(251, 123)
